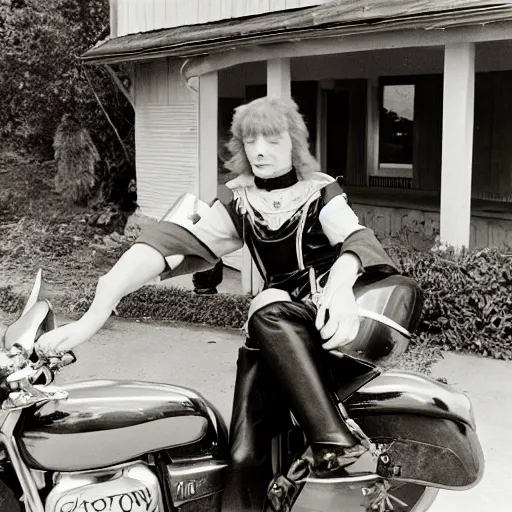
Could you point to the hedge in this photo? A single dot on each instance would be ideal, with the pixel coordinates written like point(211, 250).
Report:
point(468, 298)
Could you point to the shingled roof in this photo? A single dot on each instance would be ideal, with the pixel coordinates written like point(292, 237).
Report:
point(341, 17)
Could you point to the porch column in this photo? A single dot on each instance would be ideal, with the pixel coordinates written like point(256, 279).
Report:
point(114, 13)
point(279, 78)
point(456, 167)
point(208, 115)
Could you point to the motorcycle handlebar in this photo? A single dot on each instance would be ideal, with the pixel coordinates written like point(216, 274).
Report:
point(46, 365)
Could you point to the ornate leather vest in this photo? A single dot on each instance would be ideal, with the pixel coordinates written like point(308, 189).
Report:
point(285, 255)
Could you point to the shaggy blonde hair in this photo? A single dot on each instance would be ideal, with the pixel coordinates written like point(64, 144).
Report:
point(270, 116)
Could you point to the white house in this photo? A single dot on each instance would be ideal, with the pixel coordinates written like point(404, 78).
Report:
point(410, 101)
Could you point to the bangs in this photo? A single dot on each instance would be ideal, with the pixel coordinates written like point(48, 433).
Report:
point(260, 117)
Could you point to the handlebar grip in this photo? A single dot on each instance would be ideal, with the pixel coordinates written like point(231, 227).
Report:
point(68, 358)
point(65, 359)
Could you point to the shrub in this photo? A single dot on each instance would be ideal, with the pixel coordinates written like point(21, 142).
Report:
point(162, 303)
point(468, 298)
point(76, 157)
point(10, 301)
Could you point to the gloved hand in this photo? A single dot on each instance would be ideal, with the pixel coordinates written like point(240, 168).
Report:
point(342, 324)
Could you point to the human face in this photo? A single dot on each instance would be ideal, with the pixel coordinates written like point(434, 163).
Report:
point(270, 156)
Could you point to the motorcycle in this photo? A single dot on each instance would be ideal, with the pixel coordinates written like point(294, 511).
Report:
point(123, 446)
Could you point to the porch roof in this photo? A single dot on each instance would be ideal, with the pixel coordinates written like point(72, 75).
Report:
point(343, 17)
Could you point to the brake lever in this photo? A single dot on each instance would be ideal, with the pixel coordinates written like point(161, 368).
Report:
point(21, 375)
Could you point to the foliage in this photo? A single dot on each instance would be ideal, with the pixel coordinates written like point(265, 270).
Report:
point(11, 301)
point(468, 298)
point(76, 157)
point(41, 78)
point(222, 310)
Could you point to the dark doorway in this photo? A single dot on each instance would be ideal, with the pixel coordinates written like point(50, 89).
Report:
point(337, 127)
point(344, 118)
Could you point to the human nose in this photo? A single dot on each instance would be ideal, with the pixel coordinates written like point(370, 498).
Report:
point(260, 147)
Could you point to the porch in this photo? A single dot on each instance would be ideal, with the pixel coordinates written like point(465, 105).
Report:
point(451, 178)
point(413, 109)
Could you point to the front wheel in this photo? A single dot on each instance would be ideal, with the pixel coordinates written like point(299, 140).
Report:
point(8, 500)
point(323, 496)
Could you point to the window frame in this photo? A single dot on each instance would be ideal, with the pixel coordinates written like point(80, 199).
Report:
point(404, 171)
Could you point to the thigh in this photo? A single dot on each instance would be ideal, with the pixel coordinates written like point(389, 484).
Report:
point(279, 302)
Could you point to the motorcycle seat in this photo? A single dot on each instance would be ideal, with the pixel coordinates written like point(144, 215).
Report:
point(397, 298)
point(377, 344)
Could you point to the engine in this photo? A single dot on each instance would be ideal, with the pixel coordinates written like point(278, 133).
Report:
point(128, 488)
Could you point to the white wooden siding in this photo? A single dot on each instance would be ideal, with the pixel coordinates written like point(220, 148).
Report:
point(166, 143)
point(166, 135)
point(136, 16)
point(234, 260)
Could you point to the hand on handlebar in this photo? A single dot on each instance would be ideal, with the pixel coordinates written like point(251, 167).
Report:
point(65, 338)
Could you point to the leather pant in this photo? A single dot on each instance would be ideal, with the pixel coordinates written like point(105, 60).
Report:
point(279, 369)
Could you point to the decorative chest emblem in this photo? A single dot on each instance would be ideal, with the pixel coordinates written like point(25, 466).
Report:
point(277, 204)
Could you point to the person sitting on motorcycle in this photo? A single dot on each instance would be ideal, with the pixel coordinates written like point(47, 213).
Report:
point(304, 237)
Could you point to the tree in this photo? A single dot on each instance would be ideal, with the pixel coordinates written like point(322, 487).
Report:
point(41, 77)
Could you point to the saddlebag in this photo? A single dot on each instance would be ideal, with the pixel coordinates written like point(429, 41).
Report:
point(431, 451)
point(428, 429)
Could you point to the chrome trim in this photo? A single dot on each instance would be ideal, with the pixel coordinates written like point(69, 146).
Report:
point(102, 471)
point(32, 499)
point(192, 460)
point(435, 486)
point(197, 481)
point(344, 480)
point(365, 313)
point(193, 470)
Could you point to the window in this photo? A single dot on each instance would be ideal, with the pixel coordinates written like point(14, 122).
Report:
point(396, 131)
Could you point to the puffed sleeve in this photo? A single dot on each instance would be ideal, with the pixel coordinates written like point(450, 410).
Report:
point(341, 226)
point(216, 234)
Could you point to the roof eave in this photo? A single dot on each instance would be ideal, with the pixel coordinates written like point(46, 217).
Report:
point(186, 50)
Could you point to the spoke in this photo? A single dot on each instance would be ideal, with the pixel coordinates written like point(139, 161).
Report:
point(400, 502)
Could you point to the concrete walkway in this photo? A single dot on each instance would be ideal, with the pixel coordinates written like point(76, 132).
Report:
point(489, 385)
point(204, 359)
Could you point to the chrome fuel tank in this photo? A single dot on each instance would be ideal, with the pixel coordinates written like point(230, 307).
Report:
point(103, 423)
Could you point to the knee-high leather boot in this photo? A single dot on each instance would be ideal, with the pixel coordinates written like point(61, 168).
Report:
point(285, 334)
point(258, 414)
